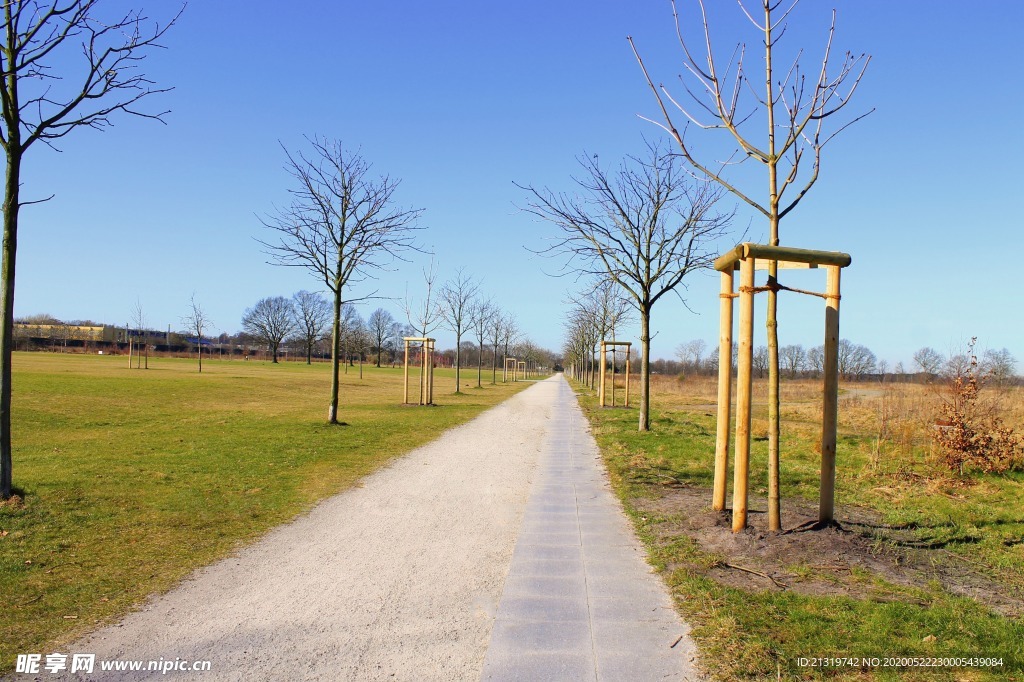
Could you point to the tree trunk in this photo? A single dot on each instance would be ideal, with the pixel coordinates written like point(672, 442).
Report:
point(273, 349)
point(771, 322)
point(332, 410)
point(458, 358)
point(10, 248)
point(480, 366)
point(309, 353)
point(645, 368)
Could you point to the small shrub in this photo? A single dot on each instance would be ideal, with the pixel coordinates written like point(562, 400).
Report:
point(969, 434)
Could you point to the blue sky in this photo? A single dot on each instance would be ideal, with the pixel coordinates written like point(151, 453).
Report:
point(461, 99)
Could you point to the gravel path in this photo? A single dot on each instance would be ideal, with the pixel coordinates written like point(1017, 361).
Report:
point(397, 579)
point(401, 577)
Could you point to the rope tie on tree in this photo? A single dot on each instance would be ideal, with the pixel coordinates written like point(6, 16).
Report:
point(776, 287)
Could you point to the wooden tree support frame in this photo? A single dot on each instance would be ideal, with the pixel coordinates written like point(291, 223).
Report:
point(747, 258)
point(509, 370)
point(602, 392)
point(521, 369)
point(426, 346)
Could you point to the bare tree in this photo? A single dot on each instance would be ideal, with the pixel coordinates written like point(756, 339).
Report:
point(998, 365)
point(692, 353)
point(312, 314)
point(815, 361)
point(789, 145)
point(197, 322)
point(761, 361)
point(457, 296)
point(424, 313)
point(496, 329)
point(139, 321)
point(645, 228)
point(342, 226)
point(64, 67)
point(270, 321)
point(855, 360)
point(481, 314)
point(349, 330)
point(509, 332)
point(382, 329)
point(928, 359)
point(793, 357)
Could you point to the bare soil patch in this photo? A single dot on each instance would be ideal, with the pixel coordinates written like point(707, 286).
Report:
point(840, 560)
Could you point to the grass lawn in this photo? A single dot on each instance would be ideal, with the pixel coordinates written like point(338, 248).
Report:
point(131, 479)
point(926, 565)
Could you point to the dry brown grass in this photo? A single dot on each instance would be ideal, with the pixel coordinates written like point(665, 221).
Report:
point(899, 417)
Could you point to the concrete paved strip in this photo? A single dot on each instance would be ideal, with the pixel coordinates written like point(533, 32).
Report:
point(580, 603)
point(400, 579)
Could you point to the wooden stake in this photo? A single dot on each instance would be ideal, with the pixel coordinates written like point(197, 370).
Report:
point(431, 402)
point(602, 370)
point(423, 369)
point(627, 374)
point(830, 399)
point(614, 351)
point(405, 395)
point(724, 392)
point(743, 390)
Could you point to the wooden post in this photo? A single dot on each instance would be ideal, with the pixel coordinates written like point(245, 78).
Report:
point(430, 374)
point(724, 392)
point(423, 370)
point(830, 398)
point(405, 398)
point(600, 391)
point(614, 350)
point(628, 349)
point(743, 389)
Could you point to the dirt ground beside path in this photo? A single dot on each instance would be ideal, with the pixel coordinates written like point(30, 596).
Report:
point(397, 579)
point(819, 562)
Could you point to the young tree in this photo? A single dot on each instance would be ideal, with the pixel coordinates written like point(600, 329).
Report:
point(139, 321)
point(788, 142)
point(496, 329)
point(270, 321)
point(424, 314)
point(342, 226)
point(382, 329)
point(645, 228)
point(65, 66)
point(312, 313)
point(481, 313)
point(456, 301)
point(197, 322)
point(509, 332)
point(349, 329)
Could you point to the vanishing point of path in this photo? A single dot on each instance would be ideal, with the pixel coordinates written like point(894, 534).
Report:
point(497, 552)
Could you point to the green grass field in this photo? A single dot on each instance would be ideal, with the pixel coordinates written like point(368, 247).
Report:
point(834, 602)
point(133, 478)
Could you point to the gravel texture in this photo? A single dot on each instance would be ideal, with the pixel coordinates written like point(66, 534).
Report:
point(398, 578)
